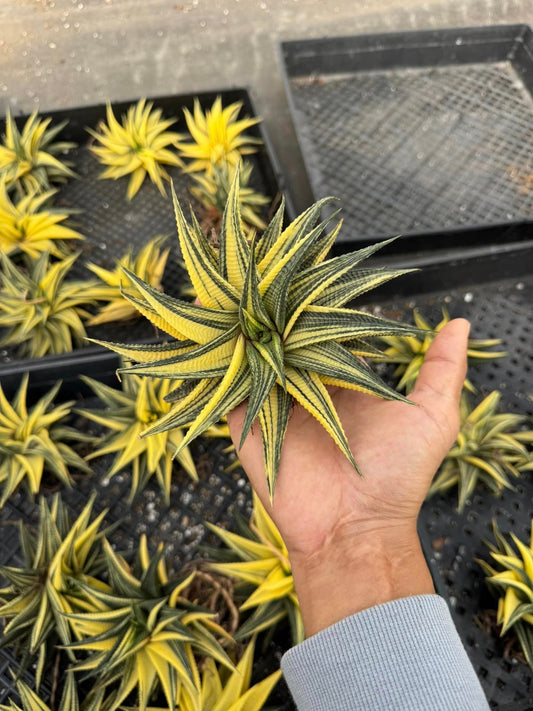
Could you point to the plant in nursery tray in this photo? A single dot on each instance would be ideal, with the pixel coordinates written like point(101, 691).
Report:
point(61, 557)
point(217, 137)
point(41, 311)
point(149, 265)
point(128, 413)
point(139, 146)
point(30, 226)
point(491, 447)
point(408, 352)
point(139, 629)
point(29, 159)
point(35, 440)
point(510, 577)
point(258, 559)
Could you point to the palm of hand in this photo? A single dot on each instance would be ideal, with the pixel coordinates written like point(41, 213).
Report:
point(397, 446)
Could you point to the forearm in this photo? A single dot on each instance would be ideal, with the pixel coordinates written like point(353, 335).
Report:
point(357, 570)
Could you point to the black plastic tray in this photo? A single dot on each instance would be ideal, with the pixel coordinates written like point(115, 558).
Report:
point(496, 293)
point(112, 225)
point(217, 497)
point(418, 132)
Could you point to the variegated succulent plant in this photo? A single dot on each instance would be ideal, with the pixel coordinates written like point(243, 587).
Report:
point(31, 227)
point(259, 560)
point(149, 265)
point(60, 558)
point(32, 702)
point(490, 448)
point(40, 310)
point(35, 440)
point(137, 633)
point(408, 351)
point(510, 578)
point(212, 190)
point(128, 413)
point(29, 159)
point(139, 146)
point(216, 137)
point(271, 328)
point(218, 690)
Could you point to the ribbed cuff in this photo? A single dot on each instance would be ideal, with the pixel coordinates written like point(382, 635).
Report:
point(402, 655)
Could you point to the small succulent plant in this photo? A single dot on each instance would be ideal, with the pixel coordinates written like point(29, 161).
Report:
point(32, 702)
point(258, 558)
point(128, 413)
point(149, 265)
point(41, 311)
point(137, 635)
point(271, 328)
point(216, 691)
point(490, 448)
point(29, 159)
point(510, 578)
point(212, 190)
point(30, 227)
point(139, 146)
point(57, 560)
point(408, 352)
point(36, 440)
point(217, 137)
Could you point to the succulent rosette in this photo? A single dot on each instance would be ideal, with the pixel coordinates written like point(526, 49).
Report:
point(271, 328)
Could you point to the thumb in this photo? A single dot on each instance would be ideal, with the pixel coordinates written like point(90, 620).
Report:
point(440, 382)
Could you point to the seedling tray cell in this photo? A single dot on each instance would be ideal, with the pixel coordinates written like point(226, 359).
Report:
point(417, 133)
point(112, 226)
point(496, 295)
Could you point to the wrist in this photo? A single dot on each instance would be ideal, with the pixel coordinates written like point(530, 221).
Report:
point(357, 570)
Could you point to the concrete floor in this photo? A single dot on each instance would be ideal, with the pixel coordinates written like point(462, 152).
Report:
point(63, 53)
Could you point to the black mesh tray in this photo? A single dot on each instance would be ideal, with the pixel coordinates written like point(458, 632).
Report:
point(495, 292)
point(217, 497)
point(112, 225)
point(417, 133)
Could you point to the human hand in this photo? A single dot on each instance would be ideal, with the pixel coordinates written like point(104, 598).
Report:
point(352, 540)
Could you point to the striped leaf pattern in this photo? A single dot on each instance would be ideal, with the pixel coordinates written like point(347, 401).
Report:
point(258, 559)
point(271, 326)
point(60, 558)
point(491, 447)
point(408, 352)
point(135, 633)
point(128, 413)
point(510, 578)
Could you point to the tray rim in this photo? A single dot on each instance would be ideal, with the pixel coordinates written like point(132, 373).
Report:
point(515, 37)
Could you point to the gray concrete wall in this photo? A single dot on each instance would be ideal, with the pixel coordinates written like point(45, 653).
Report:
point(62, 53)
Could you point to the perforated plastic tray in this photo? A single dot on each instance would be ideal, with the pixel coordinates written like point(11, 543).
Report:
point(216, 498)
point(496, 295)
point(417, 133)
point(112, 226)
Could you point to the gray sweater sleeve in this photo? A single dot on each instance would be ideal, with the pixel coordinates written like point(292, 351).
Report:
point(403, 655)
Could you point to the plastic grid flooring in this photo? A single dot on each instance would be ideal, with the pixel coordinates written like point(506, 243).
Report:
point(417, 149)
point(496, 310)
